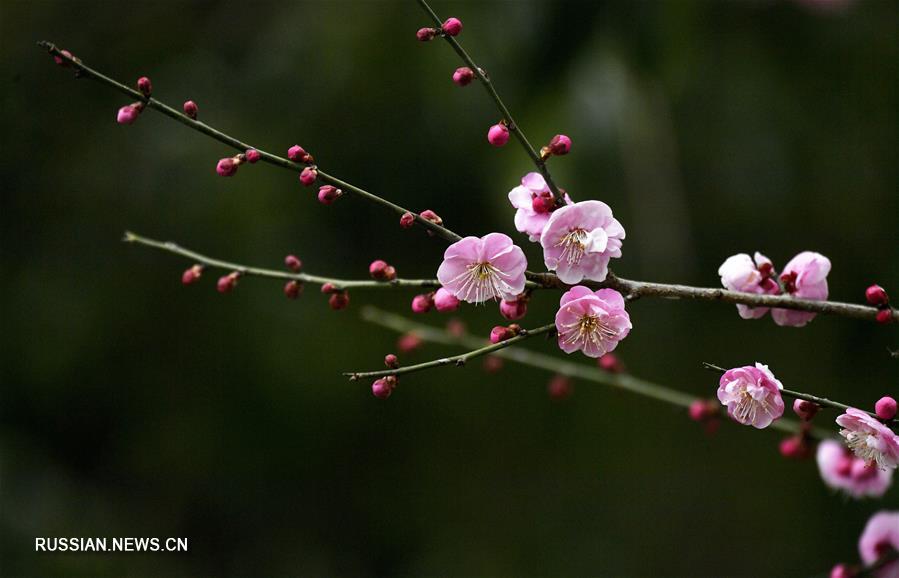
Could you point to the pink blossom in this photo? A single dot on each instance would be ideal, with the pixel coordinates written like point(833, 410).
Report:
point(498, 135)
point(452, 26)
point(476, 270)
point(880, 537)
point(749, 275)
point(869, 439)
point(752, 395)
point(578, 241)
point(843, 471)
point(534, 202)
point(805, 277)
point(515, 309)
point(592, 322)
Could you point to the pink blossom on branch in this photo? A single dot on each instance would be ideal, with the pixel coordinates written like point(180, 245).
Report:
point(869, 439)
point(752, 395)
point(805, 277)
point(749, 275)
point(841, 470)
point(879, 538)
point(579, 240)
point(478, 269)
point(534, 203)
point(591, 321)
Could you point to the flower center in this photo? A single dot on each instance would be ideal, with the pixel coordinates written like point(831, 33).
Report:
point(574, 245)
point(480, 282)
point(858, 443)
point(589, 329)
point(748, 408)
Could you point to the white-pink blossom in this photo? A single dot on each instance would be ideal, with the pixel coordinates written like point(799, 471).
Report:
point(752, 395)
point(841, 470)
point(534, 203)
point(478, 269)
point(805, 277)
point(879, 538)
point(578, 241)
point(749, 275)
point(591, 321)
point(869, 439)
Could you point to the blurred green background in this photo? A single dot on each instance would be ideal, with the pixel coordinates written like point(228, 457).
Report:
point(133, 406)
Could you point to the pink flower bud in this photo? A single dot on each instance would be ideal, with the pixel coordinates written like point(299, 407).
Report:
point(297, 154)
point(876, 295)
point(292, 289)
point(422, 303)
point(293, 263)
point(227, 283)
point(513, 310)
point(425, 34)
point(543, 203)
point(381, 388)
point(613, 364)
point(805, 409)
point(328, 288)
point(407, 220)
point(408, 343)
point(390, 273)
point(492, 364)
point(253, 156)
point(498, 135)
point(429, 215)
point(559, 388)
point(794, 448)
point(444, 301)
point(308, 176)
point(339, 300)
point(455, 327)
point(560, 145)
point(378, 270)
point(463, 76)
point(127, 114)
point(144, 85)
point(192, 275)
point(885, 408)
point(191, 109)
point(452, 27)
point(391, 361)
point(884, 316)
point(841, 571)
point(327, 194)
point(699, 410)
point(227, 167)
point(62, 61)
point(500, 333)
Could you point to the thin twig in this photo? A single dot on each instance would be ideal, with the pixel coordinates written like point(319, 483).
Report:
point(513, 126)
point(85, 71)
point(456, 360)
point(564, 367)
point(339, 284)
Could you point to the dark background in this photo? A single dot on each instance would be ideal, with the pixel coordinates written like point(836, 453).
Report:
point(132, 406)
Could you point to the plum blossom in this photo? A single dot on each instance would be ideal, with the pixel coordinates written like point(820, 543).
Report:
point(578, 241)
point(477, 269)
point(749, 275)
point(843, 471)
point(805, 276)
point(869, 439)
point(880, 537)
point(752, 395)
point(535, 203)
point(591, 321)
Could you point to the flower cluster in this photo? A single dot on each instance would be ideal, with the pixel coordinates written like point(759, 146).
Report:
point(841, 470)
point(805, 277)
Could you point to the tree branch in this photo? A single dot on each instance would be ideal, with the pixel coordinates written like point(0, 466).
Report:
point(339, 284)
point(564, 367)
point(82, 70)
point(513, 127)
point(456, 360)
